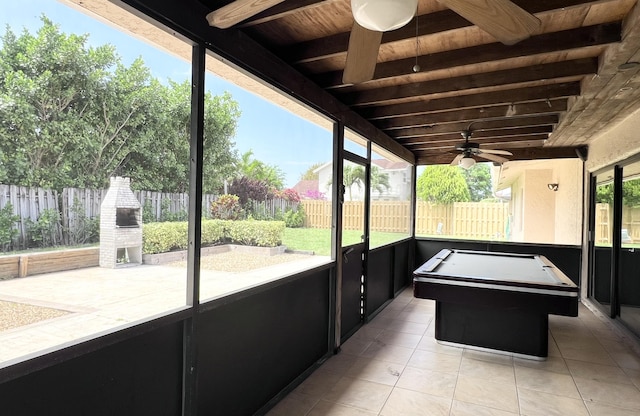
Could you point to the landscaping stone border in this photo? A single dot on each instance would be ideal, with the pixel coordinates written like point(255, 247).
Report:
point(27, 264)
point(171, 256)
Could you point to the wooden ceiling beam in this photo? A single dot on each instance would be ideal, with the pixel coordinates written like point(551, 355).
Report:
point(330, 46)
point(281, 10)
point(426, 158)
point(436, 131)
point(472, 114)
point(518, 95)
point(493, 143)
point(428, 24)
point(486, 136)
point(546, 43)
point(564, 69)
point(528, 153)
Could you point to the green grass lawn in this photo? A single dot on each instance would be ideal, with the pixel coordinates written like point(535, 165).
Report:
point(319, 240)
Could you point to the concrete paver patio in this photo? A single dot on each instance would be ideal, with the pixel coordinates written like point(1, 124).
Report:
point(100, 299)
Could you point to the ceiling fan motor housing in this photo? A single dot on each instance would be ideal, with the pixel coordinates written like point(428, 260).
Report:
point(468, 146)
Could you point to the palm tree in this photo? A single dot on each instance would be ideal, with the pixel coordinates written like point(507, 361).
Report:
point(379, 180)
point(353, 175)
point(256, 169)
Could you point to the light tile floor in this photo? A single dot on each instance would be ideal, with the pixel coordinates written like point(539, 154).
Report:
point(394, 367)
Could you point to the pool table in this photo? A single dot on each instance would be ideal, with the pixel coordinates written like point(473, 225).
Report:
point(495, 301)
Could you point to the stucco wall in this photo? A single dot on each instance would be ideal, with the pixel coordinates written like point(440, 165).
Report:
point(618, 143)
point(517, 205)
point(539, 206)
point(568, 201)
point(540, 215)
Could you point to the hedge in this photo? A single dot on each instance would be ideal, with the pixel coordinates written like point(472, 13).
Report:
point(160, 237)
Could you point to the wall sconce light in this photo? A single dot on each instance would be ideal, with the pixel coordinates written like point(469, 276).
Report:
point(552, 187)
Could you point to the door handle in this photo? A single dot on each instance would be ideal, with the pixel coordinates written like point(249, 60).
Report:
point(346, 253)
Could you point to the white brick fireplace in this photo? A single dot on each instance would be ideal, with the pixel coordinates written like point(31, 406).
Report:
point(120, 226)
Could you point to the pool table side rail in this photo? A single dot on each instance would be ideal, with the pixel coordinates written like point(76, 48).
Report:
point(564, 283)
point(544, 302)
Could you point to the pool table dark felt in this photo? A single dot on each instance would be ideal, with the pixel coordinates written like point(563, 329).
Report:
point(497, 301)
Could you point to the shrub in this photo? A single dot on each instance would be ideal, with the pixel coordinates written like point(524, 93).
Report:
point(316, 195)
point(43, 231)
point(294, 218)
point(226, 207)
point(8, 232)
point(82, 229)
point(160, 237)
point(249, 189)
point(255, 233)
point(147, 213)
point(289, 195)
point(212, 232)
point(167, 215)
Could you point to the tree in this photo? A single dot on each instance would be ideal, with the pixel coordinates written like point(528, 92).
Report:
point(353, 175)
point(630, 193)
point(254, 169)
point(72, 116)
point(309, 174)
point(478, 180)
point(379, 180)
point(47, 84)
point(163, 164)
point(442, 184)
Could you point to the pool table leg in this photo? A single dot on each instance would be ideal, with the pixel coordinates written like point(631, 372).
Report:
point(515, 330)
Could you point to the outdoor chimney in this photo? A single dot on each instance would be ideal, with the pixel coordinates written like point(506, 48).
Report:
point(120, 226)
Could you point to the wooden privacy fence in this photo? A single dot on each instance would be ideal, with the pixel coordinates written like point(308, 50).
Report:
point(271, 207)
point(318, 213)
point(75, 206)
point(28, 204)
point(476, 220)
point(604, 224)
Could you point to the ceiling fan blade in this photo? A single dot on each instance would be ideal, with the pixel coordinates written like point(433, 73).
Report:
point(502, 19)
point(493, 158)
point(362, 55)
point(237, 11)
point(496, 152)
point(456, 161)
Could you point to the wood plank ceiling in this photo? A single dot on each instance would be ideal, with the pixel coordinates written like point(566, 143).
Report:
point(540, 98)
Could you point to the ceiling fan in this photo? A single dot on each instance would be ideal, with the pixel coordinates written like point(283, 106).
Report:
point(469, 149)
point(502, 19)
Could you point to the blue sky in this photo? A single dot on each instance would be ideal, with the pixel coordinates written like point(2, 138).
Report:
point(263, 127)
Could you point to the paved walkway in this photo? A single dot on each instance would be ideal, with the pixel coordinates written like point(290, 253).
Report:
point(104, 299)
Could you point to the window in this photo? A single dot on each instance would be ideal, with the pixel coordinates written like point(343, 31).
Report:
point(125, 126)
point(269, 199)
point(390, 210)
point(536, 201)
point(546, 200)
point(453, 202)
point(95, 121)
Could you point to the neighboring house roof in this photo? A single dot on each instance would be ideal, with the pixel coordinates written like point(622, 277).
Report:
point(319, 168)
point(304, 186)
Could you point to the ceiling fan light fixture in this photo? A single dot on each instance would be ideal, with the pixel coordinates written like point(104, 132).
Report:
point(383, 15)
point(467, 162)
